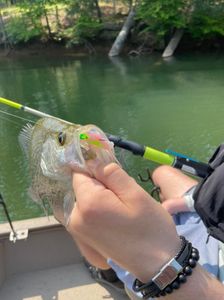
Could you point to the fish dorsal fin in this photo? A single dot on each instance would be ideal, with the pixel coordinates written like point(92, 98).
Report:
point(25, 138)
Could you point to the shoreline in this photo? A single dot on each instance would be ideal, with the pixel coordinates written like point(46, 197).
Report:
point(102, 47)
point(55, 49)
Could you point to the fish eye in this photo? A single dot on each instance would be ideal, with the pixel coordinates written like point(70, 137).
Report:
point(61, 138)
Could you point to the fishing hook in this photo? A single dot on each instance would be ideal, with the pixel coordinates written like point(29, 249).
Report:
point(148, 178)
point(155, 189)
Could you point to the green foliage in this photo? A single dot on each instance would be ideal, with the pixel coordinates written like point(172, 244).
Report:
point(27, 23)
point(202, 18)
point(87, 27)
point(207, 19)
point(84, 29)
point(34, 21)
point(163, 15)
point(21, 29)
point(83, 8)
point(30, 21)
point(86, 20)
point(41, 19)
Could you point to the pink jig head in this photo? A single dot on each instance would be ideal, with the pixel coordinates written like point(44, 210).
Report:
point(96, 139)
point(96, 148)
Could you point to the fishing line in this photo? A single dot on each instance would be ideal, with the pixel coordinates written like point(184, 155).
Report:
point(15, 116)
point(10, 121)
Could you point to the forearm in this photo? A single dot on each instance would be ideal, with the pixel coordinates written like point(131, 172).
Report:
point(200, 285)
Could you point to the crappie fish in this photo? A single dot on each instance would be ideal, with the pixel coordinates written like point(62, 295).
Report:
point(55, 149)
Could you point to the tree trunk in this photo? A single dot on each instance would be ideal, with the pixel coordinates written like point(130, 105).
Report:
point(99, 14)
point(7, 43)
point(122, 36)
point(173, 43)
point(114, 7)
point(47, 23)
point(57, 18)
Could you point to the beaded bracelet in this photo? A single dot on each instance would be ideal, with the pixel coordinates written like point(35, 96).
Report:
point(172, 275)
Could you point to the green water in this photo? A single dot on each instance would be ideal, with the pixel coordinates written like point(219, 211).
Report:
point(176, 104)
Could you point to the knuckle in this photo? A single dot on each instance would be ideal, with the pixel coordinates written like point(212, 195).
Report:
point(88, 212)
point(89, 208)
point(111, 170)
point(81, 222)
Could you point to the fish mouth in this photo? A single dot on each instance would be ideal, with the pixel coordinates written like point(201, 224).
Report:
point(73, 154)
point(90, 147)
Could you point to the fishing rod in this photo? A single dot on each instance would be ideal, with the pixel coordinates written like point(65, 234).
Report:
point(174, 159)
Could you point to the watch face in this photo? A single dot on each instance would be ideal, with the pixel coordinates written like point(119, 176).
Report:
point(167, 274)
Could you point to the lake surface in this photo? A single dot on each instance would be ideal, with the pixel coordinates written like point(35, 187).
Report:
point(176, 104)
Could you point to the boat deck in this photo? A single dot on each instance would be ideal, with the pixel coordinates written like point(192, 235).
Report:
point(70, 282)
point(46, 266)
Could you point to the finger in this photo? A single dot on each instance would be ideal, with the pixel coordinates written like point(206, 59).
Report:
point(83, 183)
point(118, 181)
point(175, 205)
point(93, 199)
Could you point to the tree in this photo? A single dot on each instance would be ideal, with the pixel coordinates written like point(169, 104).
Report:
point(122, 36)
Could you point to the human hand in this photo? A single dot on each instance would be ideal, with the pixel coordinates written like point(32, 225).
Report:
point(117, 218)
point(175, 189)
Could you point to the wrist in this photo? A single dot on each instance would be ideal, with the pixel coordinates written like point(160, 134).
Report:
point(157, 258)
point(173, 274)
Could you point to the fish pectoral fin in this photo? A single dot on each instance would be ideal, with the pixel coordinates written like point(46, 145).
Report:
point(68, 204)
point(62, 207)
point(36, 198)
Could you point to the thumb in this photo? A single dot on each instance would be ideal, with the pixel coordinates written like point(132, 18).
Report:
point(175, 205)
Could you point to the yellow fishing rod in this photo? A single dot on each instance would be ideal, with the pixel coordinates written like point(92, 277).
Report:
point(174, 159)
point(24, 108)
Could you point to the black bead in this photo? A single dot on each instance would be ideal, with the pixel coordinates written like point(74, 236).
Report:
point(192, 262)
point(162, 293)
point(195, 255)
point(182, 278)
point(188, 270)
point(175, 285)
point(168, 289)
point(194, 250)
point(189, 261)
